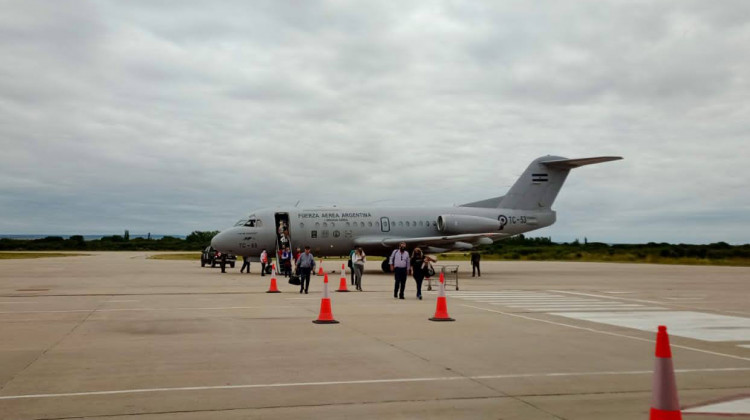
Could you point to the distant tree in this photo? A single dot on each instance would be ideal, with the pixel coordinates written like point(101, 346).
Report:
point(199, 237)
point(126, 236)
point(51, 239)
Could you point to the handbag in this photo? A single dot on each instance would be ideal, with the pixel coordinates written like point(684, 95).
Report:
point(295, 280)
point(429, 271)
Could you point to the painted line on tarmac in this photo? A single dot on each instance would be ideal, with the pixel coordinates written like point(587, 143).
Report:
point(143, 309)
point(119, 301)
point(607, 297)
point(685, 298)
point(678, 304)
point(20, 302)
point(561, 324)
point(363, 382)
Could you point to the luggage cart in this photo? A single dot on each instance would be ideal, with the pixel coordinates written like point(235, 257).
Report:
point(450, 274)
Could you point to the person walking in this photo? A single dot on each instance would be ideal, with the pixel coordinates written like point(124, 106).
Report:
point(263, 262)
point(400, 265)
point(295, 258)
point(351, 264)
point(223, 262)
point(475, 257)
point(358, 267)
point(419, 266)
point(305, 265)
point(286, 262)
point(245, 264)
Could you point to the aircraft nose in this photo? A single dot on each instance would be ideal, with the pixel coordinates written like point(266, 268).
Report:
point(220, 242)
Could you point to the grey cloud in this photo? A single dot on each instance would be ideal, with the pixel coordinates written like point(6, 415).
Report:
point(174, 116)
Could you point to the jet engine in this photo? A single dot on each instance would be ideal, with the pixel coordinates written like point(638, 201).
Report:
point(456, 224)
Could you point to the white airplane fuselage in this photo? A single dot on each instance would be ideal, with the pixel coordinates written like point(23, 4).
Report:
point(335, 231)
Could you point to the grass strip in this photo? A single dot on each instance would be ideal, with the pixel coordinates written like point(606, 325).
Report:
point(176, 257)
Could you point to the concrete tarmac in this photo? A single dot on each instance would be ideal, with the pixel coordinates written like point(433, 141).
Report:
point(117, 335)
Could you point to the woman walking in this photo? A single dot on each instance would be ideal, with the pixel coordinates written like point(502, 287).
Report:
point(358, 266)
point(419, 266)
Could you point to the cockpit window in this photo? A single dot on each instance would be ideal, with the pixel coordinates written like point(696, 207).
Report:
point(252, 222)
point(241, 222)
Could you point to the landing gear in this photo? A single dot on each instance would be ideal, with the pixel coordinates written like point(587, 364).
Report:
point(385, 266)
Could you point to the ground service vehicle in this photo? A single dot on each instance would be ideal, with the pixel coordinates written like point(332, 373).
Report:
point(212, 256)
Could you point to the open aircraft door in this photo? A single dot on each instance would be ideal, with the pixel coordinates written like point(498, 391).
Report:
point(283, 238)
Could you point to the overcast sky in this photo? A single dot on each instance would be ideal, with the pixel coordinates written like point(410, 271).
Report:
point(169, 117)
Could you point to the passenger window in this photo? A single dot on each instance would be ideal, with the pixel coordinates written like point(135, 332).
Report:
point(414, 224)
point(369, 224)
point(325, 224)
point(317, 224)
point(347, 224)
point(407, 223)
point(301, 224)
point(401, 223)
point(421, 223)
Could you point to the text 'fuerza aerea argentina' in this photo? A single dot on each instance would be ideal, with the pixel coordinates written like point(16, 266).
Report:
point(334, 215)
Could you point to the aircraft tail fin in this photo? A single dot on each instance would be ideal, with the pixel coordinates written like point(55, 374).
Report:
point(537, 188)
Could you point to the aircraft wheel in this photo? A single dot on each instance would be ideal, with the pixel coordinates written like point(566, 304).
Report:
point(213, 264)
point(231, 265)
point(385, 266)
point(203, 262)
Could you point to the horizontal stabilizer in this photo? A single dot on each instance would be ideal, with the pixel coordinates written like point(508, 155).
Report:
point(575, 163)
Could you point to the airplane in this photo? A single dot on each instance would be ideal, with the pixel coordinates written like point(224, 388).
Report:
point(334, 231)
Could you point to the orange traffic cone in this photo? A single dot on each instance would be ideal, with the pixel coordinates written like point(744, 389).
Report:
point(342, 285)
point(441, 313)
point(325, 316)
point(320, 270)
point(272, 288)
point(664, 402)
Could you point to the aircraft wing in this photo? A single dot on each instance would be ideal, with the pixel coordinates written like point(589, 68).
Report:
point(391, 241)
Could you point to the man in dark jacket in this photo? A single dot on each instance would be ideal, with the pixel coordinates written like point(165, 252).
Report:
point(475, 257)
point(223, 262)
point(245, 264)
